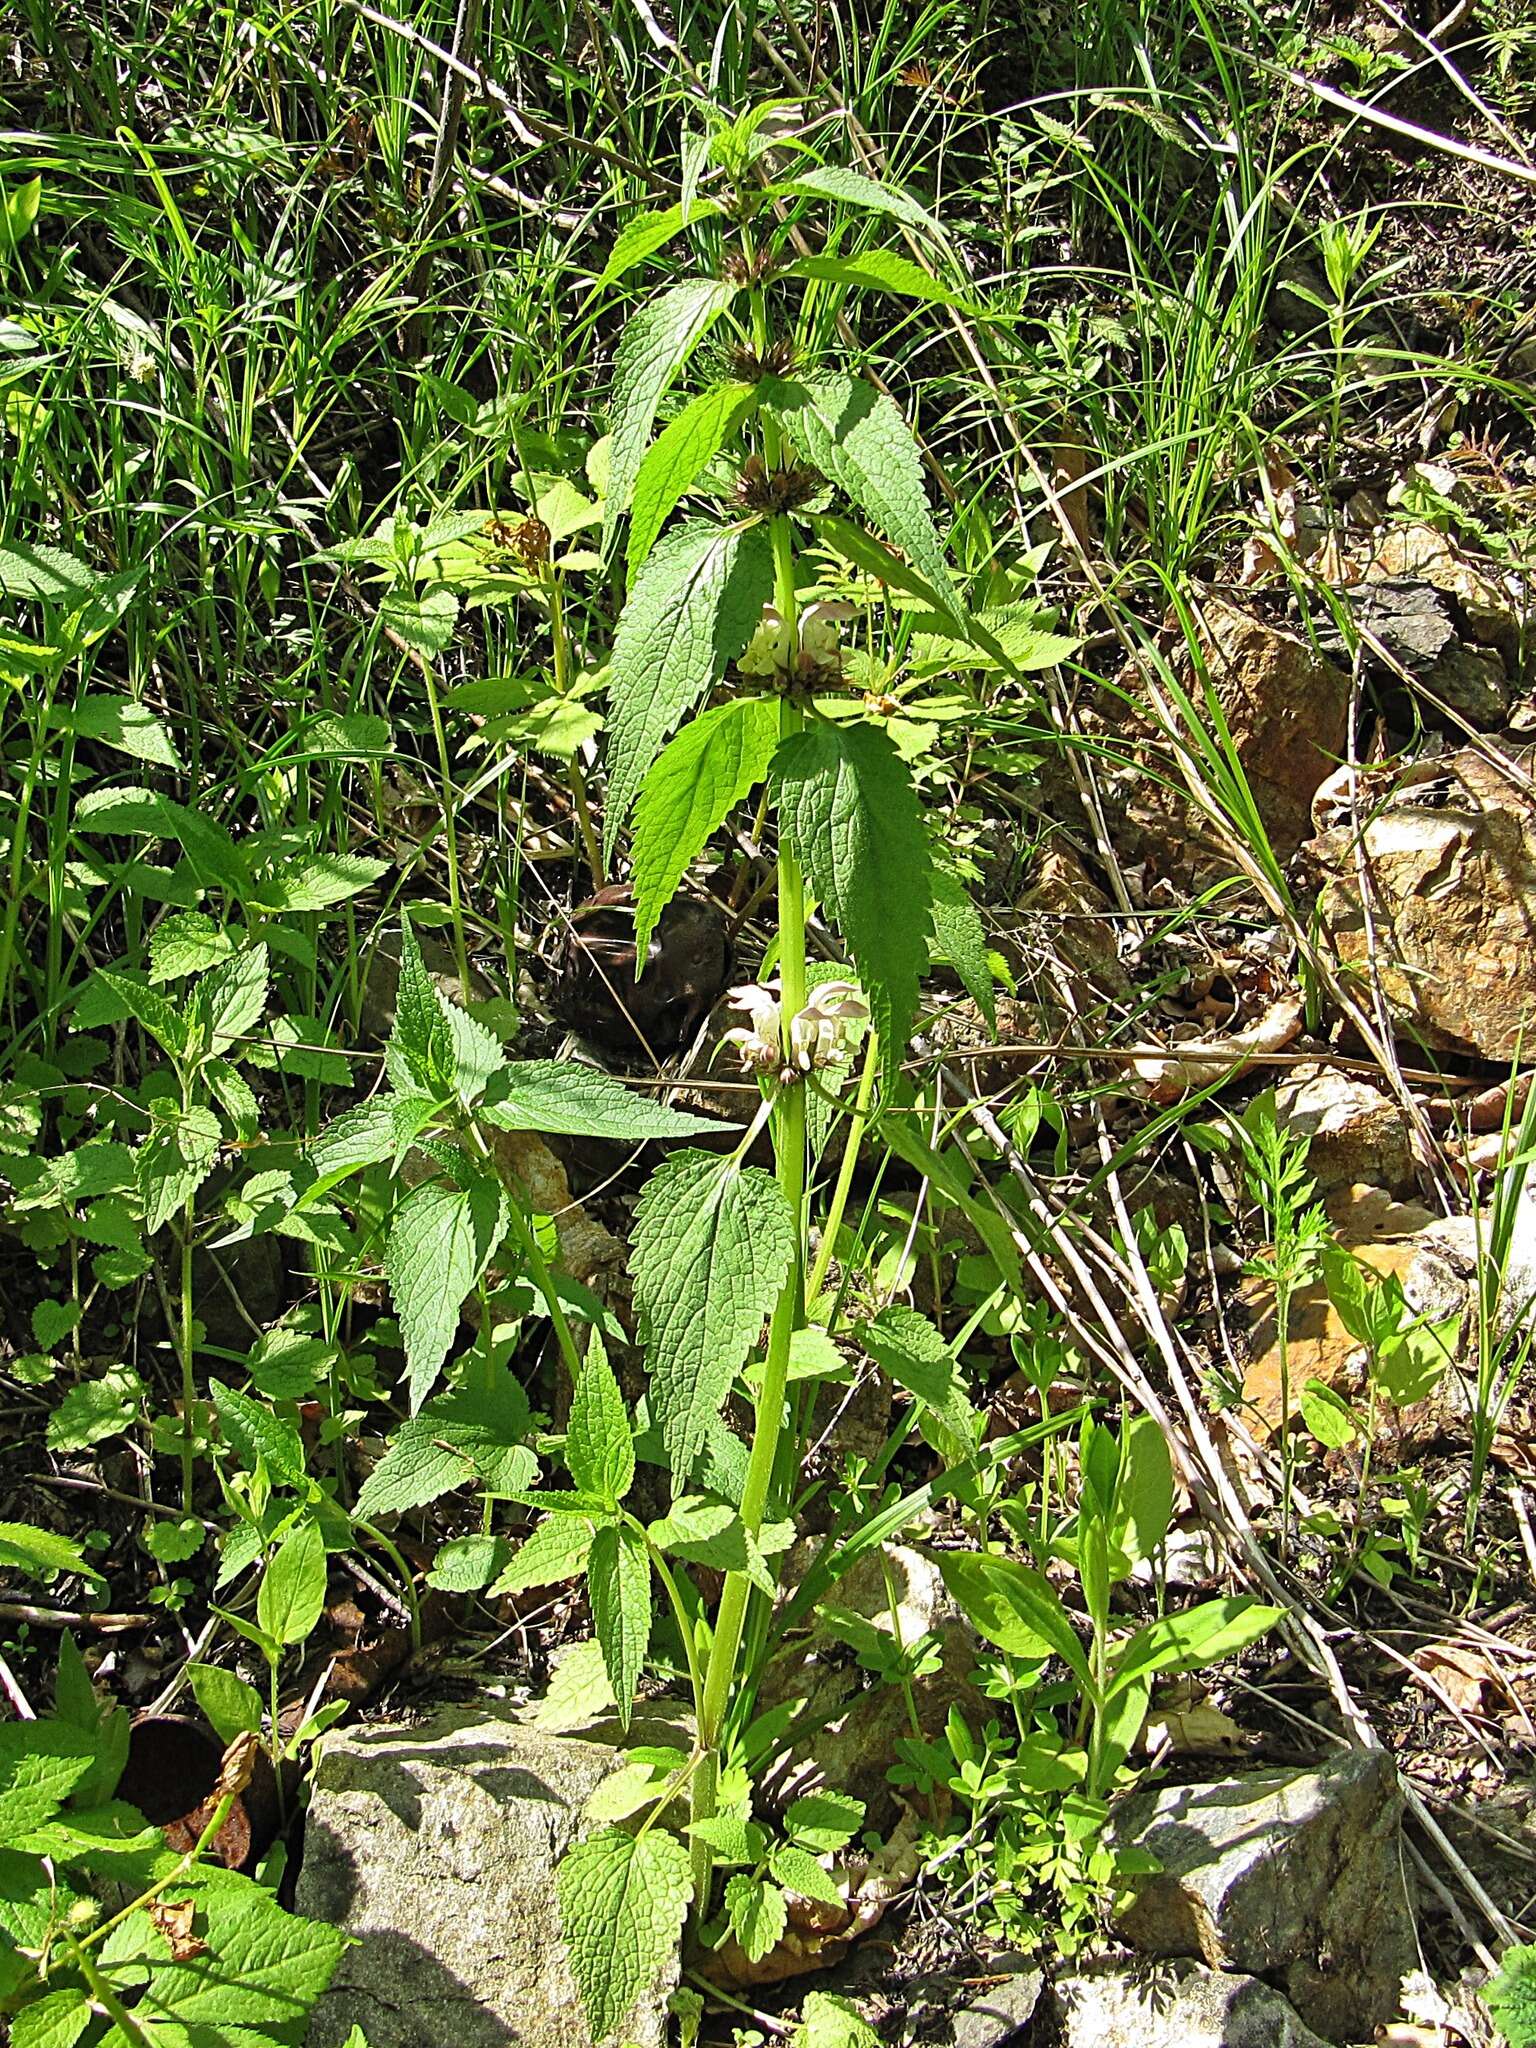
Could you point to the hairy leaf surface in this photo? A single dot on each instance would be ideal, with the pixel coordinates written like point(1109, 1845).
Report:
point(712, 1247)
point(701, 774)
point(563, 1099)
point(656, 344)
point(856, 437)
point(678, 457)
point(440, 1242)
point(847, 803)
point(622, 1901)
point(619, 1592)
point(694, 607)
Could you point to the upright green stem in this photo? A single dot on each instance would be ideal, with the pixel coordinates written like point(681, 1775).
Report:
point(789, 1156)
point(562, 656)
point(450, 831)
point(839, 1204)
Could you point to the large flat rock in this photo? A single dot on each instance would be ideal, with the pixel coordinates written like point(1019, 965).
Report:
point(1174, 2005)
point(436, 1847)
point(1294, 1876)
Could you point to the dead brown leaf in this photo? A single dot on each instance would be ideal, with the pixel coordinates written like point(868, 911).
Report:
point(174, 1921)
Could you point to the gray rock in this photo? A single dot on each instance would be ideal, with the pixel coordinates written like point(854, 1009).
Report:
point(436, 1846)
point(1294, 1876)
point(998, 2017)
point(1175, 2005)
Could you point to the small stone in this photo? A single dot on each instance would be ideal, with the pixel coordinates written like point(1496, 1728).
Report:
point(1356, 1133)
point(1451, 860)
point(996, 2018)
point(1287, 709)
point(1176, 2005)
point(1295, 1876)
point(436, 1846)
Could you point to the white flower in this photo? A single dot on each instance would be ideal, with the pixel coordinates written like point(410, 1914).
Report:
point(820, 1035)
point(759, 1041)
point(818, 637)
point(823, 1033)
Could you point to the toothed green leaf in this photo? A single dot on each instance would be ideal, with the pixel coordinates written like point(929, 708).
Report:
point(695, 605)
point(700, 775)
point(847, 805)
point(712, 1247)
point(858, 440)
point(622, 1901)
point(656, 344)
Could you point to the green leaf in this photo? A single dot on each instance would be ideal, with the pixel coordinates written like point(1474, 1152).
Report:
point(1328, 1415)
point(40, 1553)
point(579, 1692)
point(56, 2020)
point(359, 1137)
point(699, 776)
point(619, 1591)
point(95, 1410)
point(467, 1564)
point(694, 607)
point(253, 1432)
point(1014, 1606)
point(440, 1242)
point(230, 1706)
point(1019, 639)
point(622, 1901)
point(475, 1433)
point(160, 1018)
point(824, 1821)
point(852, 188)
point(599, 1444)
point(909, 1350)
point(293, 1586)
point(262, 1971)
point(175, 1159)
point(1143, 1494)
point(1411, 1362)
point(228, 1001)
point(77, 1705)
point(174, 1540)
point(757, 1913)
point(874, 559)
point(1200, 1635)
point(419, 1055)
point(882, 270)
point(678, 457)
point(564, 1099)
point(798, 1871)
point(733, 1839)
point(32, 569)
point(657, 342)
point(958, 938)
point(1511, 1996)
point(830, 2022)
point(187, 943)
point(41, 1763)
point(320, 881)
point(647, 232)
point(123, 723)
point(556, 1551)
point(858, 440)
point(847, 803)
point(424, 620)
point(710, 1532)
point(712, 1247)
